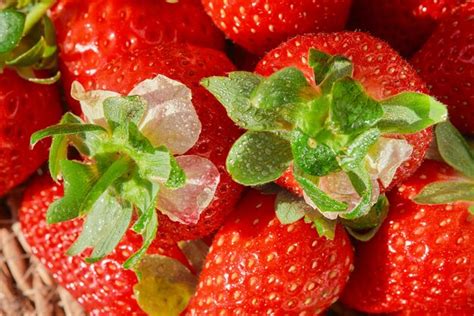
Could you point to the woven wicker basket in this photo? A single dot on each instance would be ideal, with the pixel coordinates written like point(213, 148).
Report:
point(26, 288)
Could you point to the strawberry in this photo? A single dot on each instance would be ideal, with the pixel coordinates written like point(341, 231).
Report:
point(102, 288)
point(329, 125)
point(445, 63)
point(24, 108)
point(404, 24)
point(91, 32)
point(258, 266)
point(261, 26)
point(154, 150)
point(421, 259)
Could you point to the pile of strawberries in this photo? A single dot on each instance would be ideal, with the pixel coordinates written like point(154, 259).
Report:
point(231, 157)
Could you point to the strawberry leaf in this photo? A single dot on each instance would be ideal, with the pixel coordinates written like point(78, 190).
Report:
point(104, 227)
point(83, 186)
point(410, 112)
point(359, 147)
point(373, 219)
point(328, 69)
point(324, 227)
point(360, 179)
point(454, 149)
point(353, 111)
point(284, 88)
point(177, 177)
point(12, 24)
point(313, 158)
point(289, 208)
point(196, 252)
point(258, 158)
point(235, 92)
point(446, 192)
point(64, 129)
point(165, 286)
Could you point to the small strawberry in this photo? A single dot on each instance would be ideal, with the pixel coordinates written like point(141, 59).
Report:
point(446, 63)
point(102, 288)
point(348, 120)
point(92, 32)
point(258, 266)
point(25, 107)
point(422, 258)
point(404, 24)
point(261, 25)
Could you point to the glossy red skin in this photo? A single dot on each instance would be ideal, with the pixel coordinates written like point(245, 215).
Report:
point(446, 63)
point(466, 312)
point(260, 26)
point(187, 64)
point(257, 266)
point(25, 107)
point(91, 32)
point(381, 71)
point(422, 258)
point(103, 288)
point(404, 24)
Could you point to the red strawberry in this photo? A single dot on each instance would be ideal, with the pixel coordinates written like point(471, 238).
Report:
point(260, 26)
point(258, 266)
point(381, 71)
point(446, 64)
point(187, 64)
point(102, 288)
point(24, 108)
point(91, 32)
point(404, 24)
point(422, 258)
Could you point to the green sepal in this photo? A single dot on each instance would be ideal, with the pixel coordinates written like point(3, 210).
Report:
point(165, 286)
point(411, 112)
point(12, 24)
point(177, 177)
point(83, 185)
point(290, 208)
point(446, 192)
point(64, 129)
point(328, 69)
point(104, 227)
point(454, 149)
point(361, 181)
point(374, 218)
point(29, 75)
point(312, 157)
point(284, 88)
point(471, 209)
point(31, 56)
point(258, 158)
point(322, 201)
point(235, 92)
point(325, 227)
point(353, 111)
point(196, 252)
point(359, 148)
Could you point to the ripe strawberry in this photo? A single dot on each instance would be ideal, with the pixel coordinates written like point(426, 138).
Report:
point(404, 24)
point(102, 288)
point(422, 257)
point(187, 64)
point(380, 70)
point(445, 63)
point(261, 26)
point(258, 266)
point(24, 108)
point(89, 33)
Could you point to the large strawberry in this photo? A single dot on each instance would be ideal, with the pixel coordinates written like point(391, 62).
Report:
point(102, 288)
point(404, 24)
point(26, 45)
point(152, 138)
point(91, 32)
point(422, 258)
point(258, 266)
point(347, 118)
point(446, 63)
point(261, 25)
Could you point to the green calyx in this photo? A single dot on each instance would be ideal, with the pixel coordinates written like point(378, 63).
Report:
point(122, 174)
point(27, 39)
point(457, 153)
point(320, 130)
